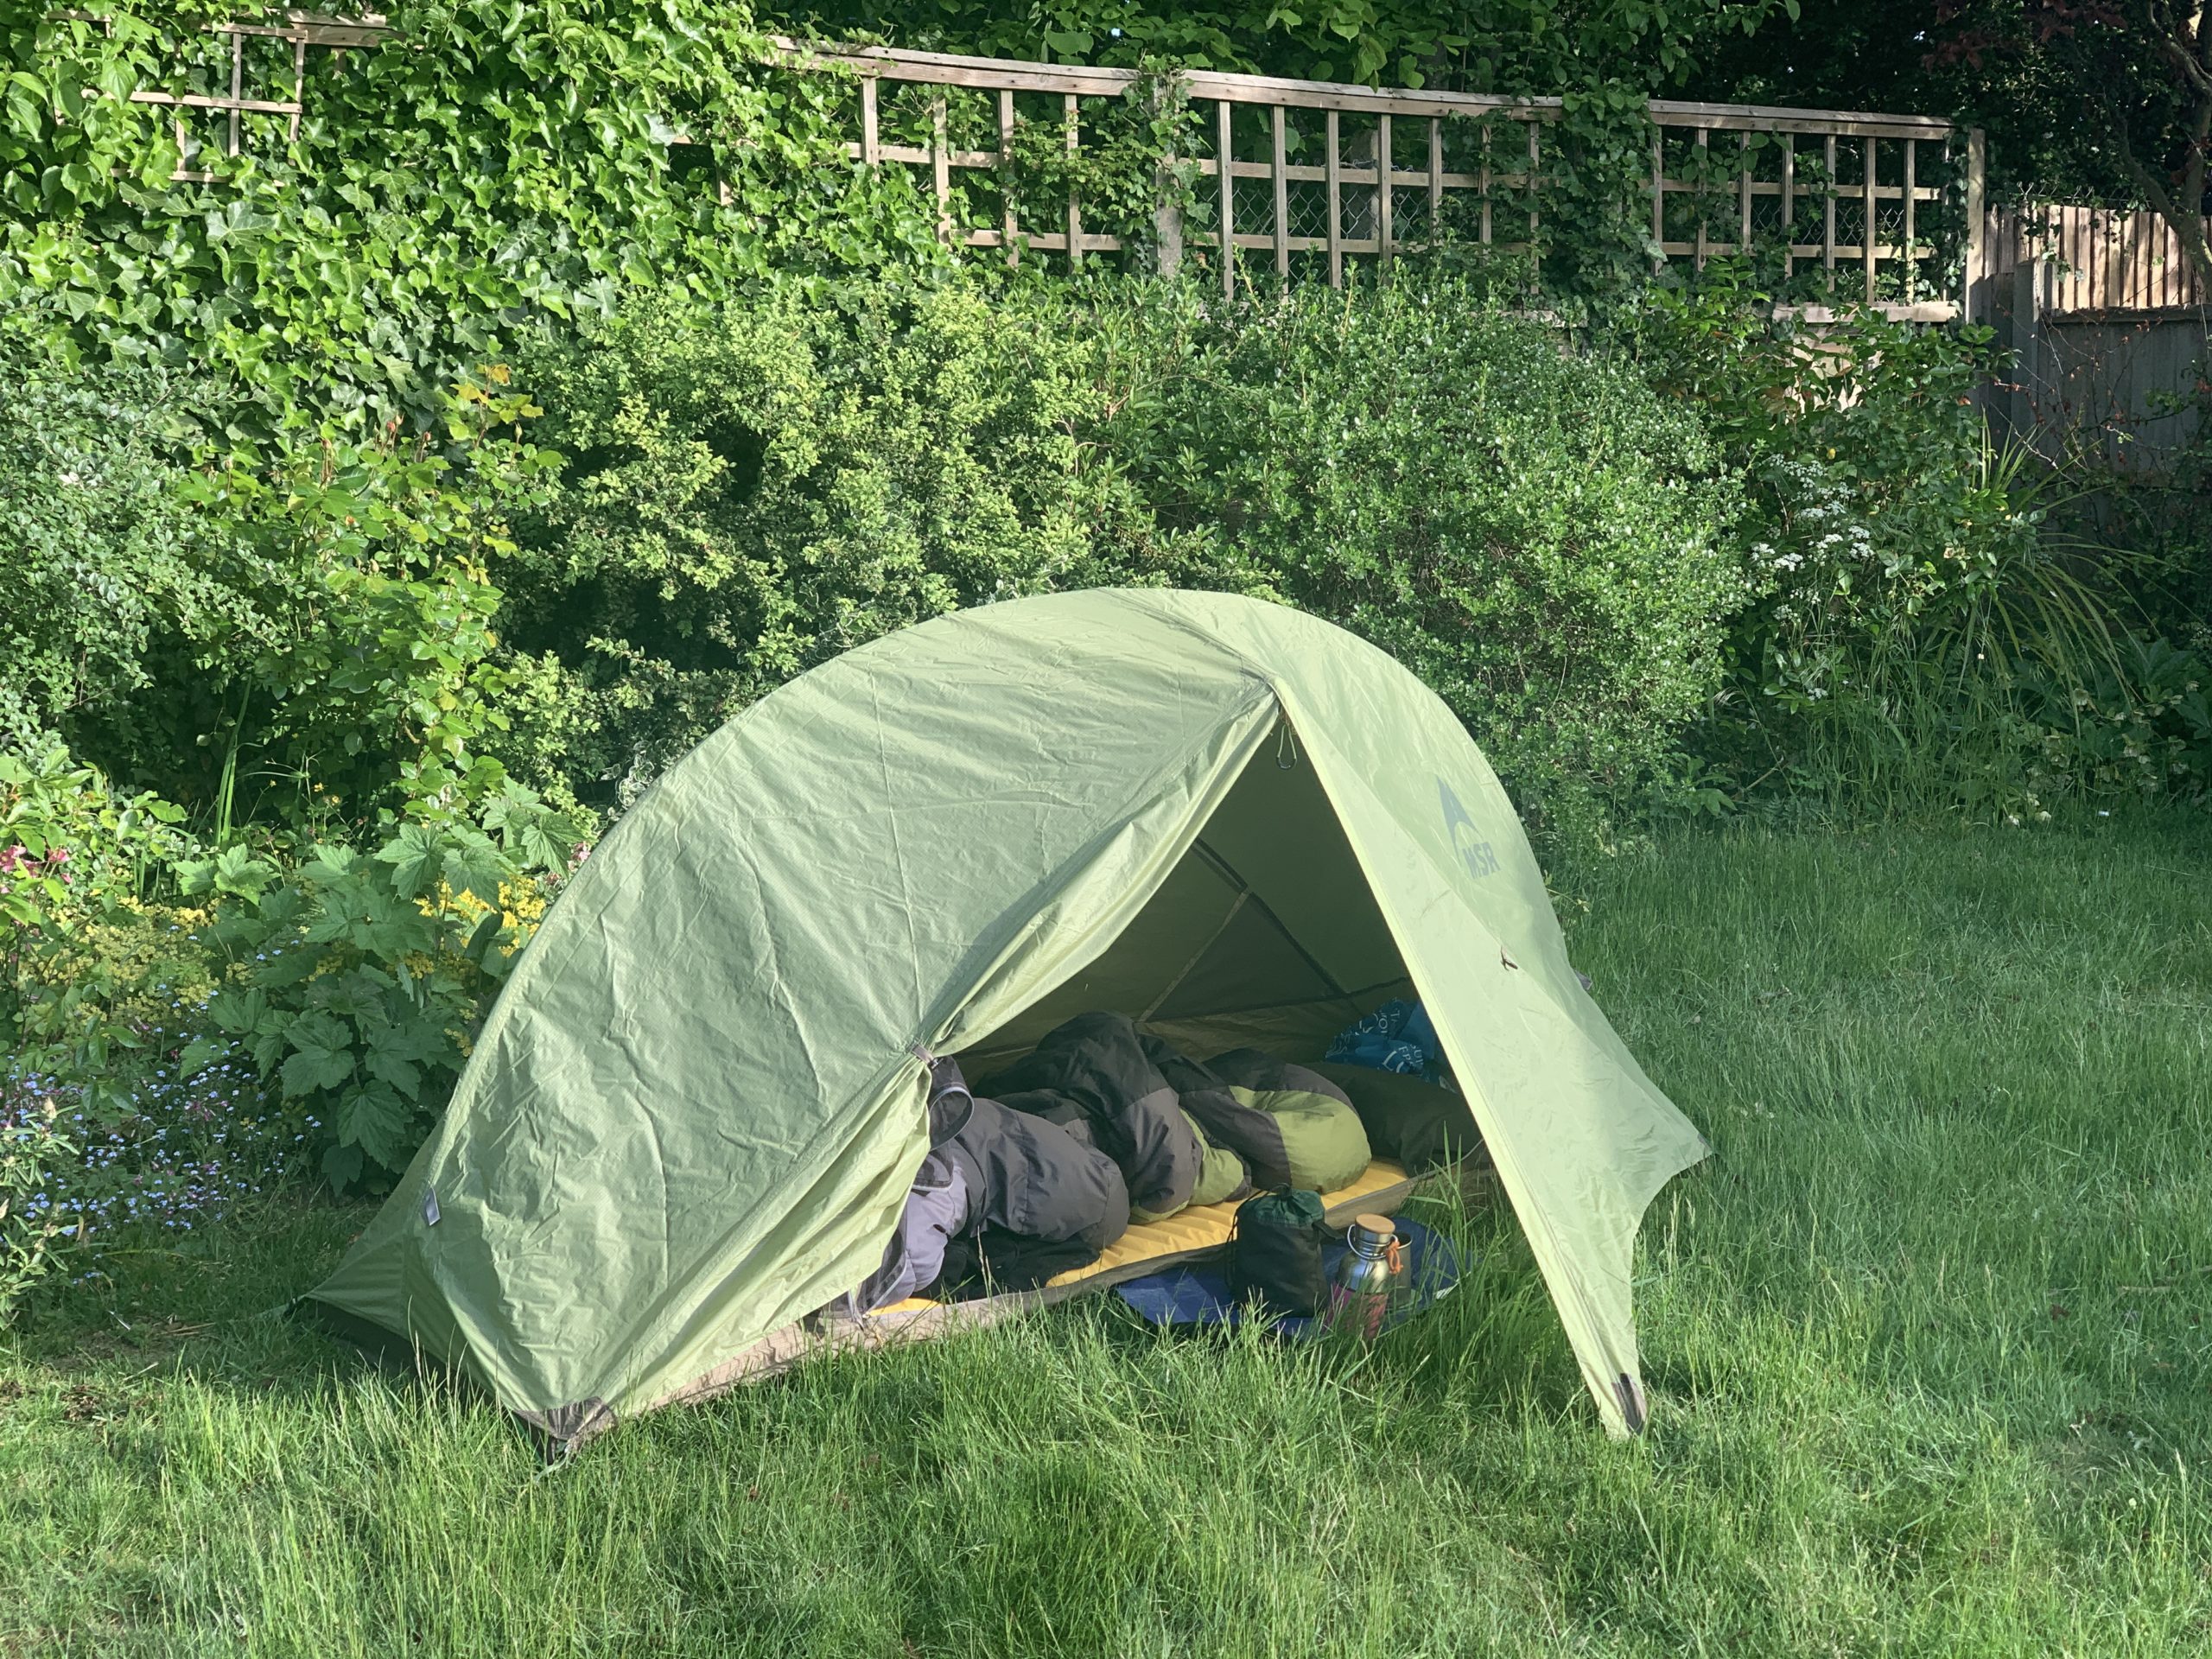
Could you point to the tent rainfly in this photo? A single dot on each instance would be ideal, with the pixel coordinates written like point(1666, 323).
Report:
point(692, 1116)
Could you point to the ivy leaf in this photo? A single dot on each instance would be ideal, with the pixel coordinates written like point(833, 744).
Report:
point(484, 935)
point(403, 1074)
point(282, 907)
point(331, 866)
point(341, 1165)
point(322, 1056)
point(356, 995)
point(237, 1012)
point(319, 1029)
point(267, 1041)
point(287, 967)
point(198, 1054)
point(529, 830)
point(238, 873)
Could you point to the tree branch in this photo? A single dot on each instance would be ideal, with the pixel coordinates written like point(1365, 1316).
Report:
point(2190, 225)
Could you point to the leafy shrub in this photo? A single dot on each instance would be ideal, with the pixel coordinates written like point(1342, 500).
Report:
point(113, 580)
point(1915, 616)
point(2141, 726)
point(491, 173)
point(74, 859)
point(371, 699)
point(357, 980)
point(304, 642)
point(1525, 526)
point(32, 1145)
point(301, 651)
point(753, 488)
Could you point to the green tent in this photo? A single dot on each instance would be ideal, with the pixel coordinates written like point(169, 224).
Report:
point(692, 1116)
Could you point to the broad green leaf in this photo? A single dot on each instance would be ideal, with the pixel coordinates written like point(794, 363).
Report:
point(307, 1069)
point(414, 855)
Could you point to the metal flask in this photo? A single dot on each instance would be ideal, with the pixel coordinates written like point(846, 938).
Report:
point(1367, 1277)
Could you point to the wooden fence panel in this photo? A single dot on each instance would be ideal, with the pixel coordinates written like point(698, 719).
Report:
point(2104, 259)
point(2108, 329)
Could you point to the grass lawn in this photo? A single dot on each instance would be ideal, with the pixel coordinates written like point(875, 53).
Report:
point(1925, 1343)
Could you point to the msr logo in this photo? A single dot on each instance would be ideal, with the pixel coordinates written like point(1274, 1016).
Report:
point(1478, 855)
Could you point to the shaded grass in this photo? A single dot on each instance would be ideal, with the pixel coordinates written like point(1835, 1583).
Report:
point(1924, 1341)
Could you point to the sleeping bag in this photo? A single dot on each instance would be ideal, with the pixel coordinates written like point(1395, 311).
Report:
point(1416, 1124)
point(1093, 1072)
point(1222, 1118)
point(1040, 1201)
point(1312, 1132)
point(1033, 1177)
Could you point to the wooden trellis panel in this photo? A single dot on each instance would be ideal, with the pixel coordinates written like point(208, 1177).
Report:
point(1853, 152)
point(1841, 200)
point(1871, 166)
point(300, 31)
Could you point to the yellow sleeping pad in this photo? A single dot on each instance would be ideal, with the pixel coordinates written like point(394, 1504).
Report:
point(1153, 1244)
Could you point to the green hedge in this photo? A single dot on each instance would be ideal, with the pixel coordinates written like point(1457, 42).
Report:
point(751, 488)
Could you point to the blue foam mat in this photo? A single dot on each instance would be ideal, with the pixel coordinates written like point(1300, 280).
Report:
point(1197, 1292)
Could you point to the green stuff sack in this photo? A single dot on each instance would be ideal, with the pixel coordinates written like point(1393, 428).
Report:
point(1274, 1254)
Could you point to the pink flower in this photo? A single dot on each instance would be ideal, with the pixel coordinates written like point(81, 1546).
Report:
point(12, 859)
point(57, 855)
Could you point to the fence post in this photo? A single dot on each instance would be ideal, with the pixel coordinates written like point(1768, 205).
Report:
point(1282, 197)
point(1789, 206)
point(1336, 204)
point(1384, 229)
point(1871, 213)
point(1704, 149)
point(941, 170)
point(1536, 256)
point(1168, 230)
point(1974, 303)
point(1070, 114)
point(1006, 162)
point(1827, 219)
point(1224, 148)
point(1168, 214)
point(2027, 346)
point(1435, 180)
